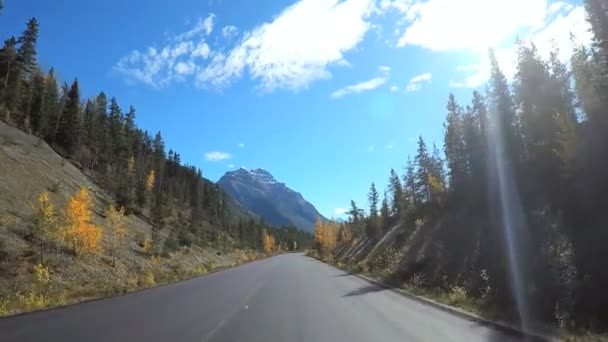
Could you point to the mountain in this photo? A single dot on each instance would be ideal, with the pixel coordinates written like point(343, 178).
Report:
point(258, 192)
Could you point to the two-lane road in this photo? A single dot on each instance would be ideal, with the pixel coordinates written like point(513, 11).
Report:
point(284, 298)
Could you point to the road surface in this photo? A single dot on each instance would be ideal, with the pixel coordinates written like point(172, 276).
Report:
point(284, 298)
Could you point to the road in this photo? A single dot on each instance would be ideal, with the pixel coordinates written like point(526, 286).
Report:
point(284, 298)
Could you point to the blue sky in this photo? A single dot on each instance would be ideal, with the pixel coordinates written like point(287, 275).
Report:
point(327, 95)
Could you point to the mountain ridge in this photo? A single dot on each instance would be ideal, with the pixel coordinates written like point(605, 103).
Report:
point(260, 193)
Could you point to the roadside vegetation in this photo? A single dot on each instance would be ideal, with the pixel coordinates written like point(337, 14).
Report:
point(91, 205)
point(508, 220)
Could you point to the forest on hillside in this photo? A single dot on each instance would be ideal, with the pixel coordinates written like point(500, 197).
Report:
point(132, 164)
point(512, 212)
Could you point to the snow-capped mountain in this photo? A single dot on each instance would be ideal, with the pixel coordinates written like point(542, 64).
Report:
point(261, 194)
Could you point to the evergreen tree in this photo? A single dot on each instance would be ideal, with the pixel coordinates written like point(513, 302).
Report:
point(49, 114)
point(410, 185)
point(38, 120)
point(423, 168)
point(385, 212)
point(396, 189)
point(373, 199)
point(27, 50)
point(454, 143)
point(503, 114)
point(68, 135)
point(9, 71)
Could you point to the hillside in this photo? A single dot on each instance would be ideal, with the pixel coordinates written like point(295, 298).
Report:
point(261, 194)
point(30, 167)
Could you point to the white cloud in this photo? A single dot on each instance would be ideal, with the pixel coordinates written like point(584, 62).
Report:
point(217, 156)
point(172, 61)
point(360, 87)
point(230, 166)
point(384, 69)
point(208, 23)
point(229, 31)
point(202, 26)
point(289, 52)
point(185, 68)
point(554, 33)
point(394, 88)
point(241, 145)
point(415, 83)
point(371, 148)
point(389, 146)
point(442, 25)
point(202, 50)
point(340, 211)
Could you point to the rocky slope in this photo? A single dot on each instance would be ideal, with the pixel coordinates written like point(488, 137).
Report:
point(260, 193)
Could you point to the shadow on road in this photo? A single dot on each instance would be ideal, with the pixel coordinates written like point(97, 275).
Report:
point(365, 290)
point(342, 275)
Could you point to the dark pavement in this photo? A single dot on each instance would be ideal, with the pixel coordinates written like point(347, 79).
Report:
point(284, 298)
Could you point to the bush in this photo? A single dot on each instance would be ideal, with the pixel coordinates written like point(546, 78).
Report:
point(457, 295)
point(148, 279)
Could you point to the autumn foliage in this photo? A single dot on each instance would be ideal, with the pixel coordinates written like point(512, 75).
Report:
point(118, 231)
point(80, 232)
point(325, 236)
point(268, 242)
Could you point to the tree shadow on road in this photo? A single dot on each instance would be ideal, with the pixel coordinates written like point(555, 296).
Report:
point(365, 290)
point(342, 275)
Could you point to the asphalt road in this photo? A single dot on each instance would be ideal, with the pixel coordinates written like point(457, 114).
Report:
point(284, 298)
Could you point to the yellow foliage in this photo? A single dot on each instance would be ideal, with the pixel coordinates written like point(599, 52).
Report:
point(131, 167)
point(148, 279)
point(148, 246)
point(155, 260)
point(326, 236)
point(200, 270)
point(435, 184)
point(84, 236)
point(46, 217)
point(32, 301)
point(150, 180)
point(43, 276)
point(268, 242)
point(118, 230)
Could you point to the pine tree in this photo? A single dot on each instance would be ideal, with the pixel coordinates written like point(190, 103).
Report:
point(409, 184)
point(37, 116)
point(356, 214)
point(396, 189)
point(423, 168)
point(69, 131)
point(115, 123)
point(385, 212)
point(9, 71)
point(454, 144)
point(49, 115)
point(373, 199)
point(503, 113)
point(27, 50)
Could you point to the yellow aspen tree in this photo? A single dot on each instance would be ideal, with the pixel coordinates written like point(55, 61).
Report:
point(325, 236)
point(46, 222)
point(80, 232)
point(268, 242)
point(118, 231)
